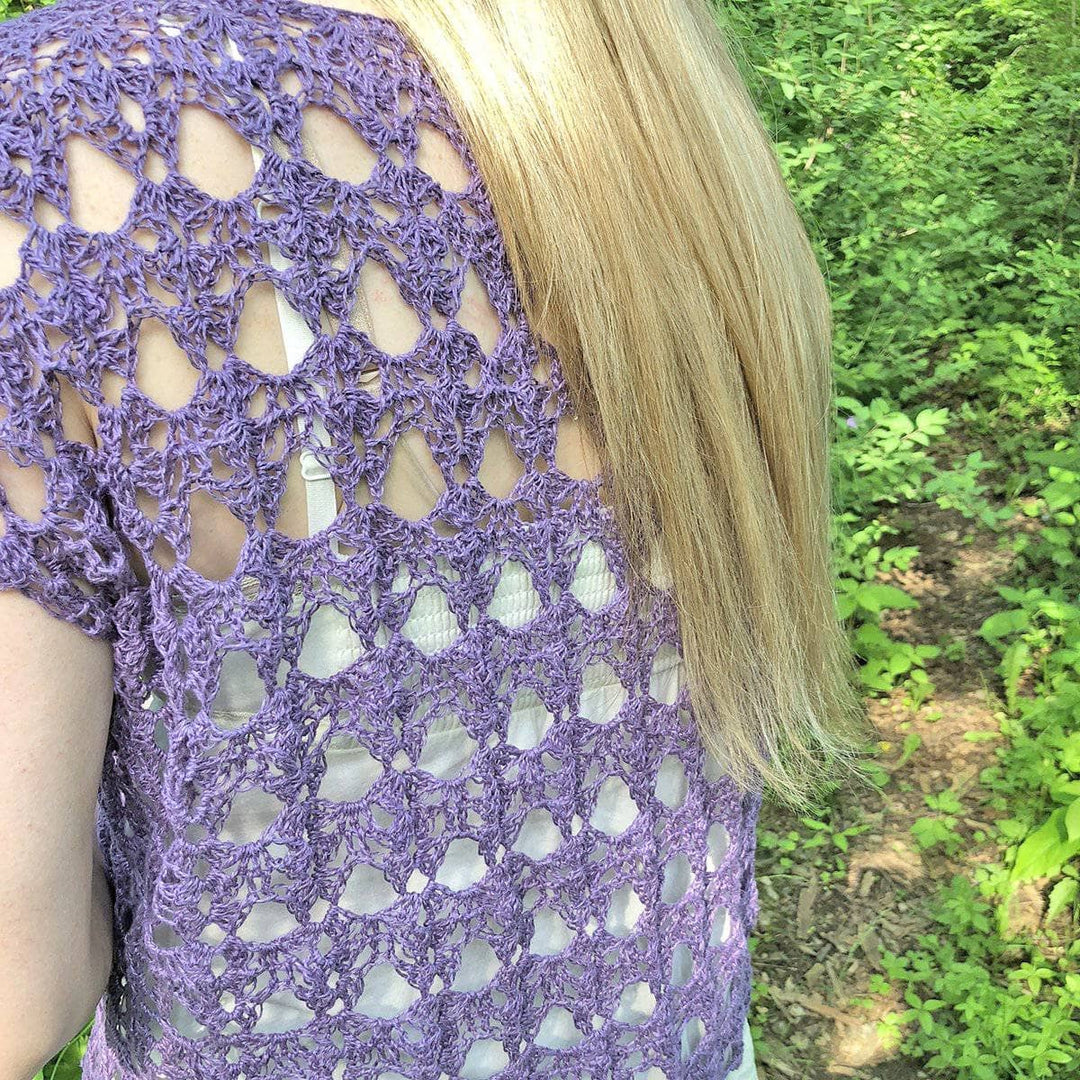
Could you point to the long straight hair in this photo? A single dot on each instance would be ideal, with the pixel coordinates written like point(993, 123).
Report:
point(658, 250)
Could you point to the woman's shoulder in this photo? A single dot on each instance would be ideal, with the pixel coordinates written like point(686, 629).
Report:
point(102, 69)
point(37, 40)
point(46, 48)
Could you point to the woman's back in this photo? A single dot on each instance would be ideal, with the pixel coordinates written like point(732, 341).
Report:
point(392, 788)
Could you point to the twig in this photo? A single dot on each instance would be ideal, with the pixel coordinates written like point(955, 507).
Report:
point(818, 1007)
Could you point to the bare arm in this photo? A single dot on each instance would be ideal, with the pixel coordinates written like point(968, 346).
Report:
point(55, 906)
point(56, 686)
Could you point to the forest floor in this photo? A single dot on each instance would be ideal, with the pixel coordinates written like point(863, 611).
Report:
point(816, 945)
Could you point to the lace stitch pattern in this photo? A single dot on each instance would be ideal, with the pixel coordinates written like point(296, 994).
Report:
point(393, 793)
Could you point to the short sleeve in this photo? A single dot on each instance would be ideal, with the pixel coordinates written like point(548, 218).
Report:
point(58, 545)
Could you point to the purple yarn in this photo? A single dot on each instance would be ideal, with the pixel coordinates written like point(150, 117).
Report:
point(191, 980)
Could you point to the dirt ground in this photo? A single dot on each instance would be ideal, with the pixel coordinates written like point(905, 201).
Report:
point(815, 946)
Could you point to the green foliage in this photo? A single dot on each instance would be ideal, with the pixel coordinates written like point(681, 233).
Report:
point(983, 1000)
point(66, 1065)
point(932, 152)
point(982, 1008)
point(941, 828)
point(822, 845)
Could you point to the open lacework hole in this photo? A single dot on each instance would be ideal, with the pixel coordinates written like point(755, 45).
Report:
point(602, 693)
point(226, 171)
point(335, 147)
point(13, 233)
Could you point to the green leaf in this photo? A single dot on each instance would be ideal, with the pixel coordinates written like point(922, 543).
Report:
point(1072, 820)
point(1045, 850)
point(1070, 753)
point(876, 596)
point(1014, 663)
point(1061, 896)
point(1003, 622)
point(1061, 493)
point(932, 421)
point(1056, 609)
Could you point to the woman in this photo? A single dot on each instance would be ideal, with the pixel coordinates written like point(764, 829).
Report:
point(407, 413)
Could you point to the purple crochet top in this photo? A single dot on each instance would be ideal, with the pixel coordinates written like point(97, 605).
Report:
point(389, 791)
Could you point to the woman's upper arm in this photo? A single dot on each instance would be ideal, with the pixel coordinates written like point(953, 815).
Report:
point(56, 689)
point(62, 572)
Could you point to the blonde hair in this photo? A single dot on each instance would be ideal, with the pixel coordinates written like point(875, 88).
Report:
point(658, 250)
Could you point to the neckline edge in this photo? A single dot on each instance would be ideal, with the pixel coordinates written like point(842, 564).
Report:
point(324, 10)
